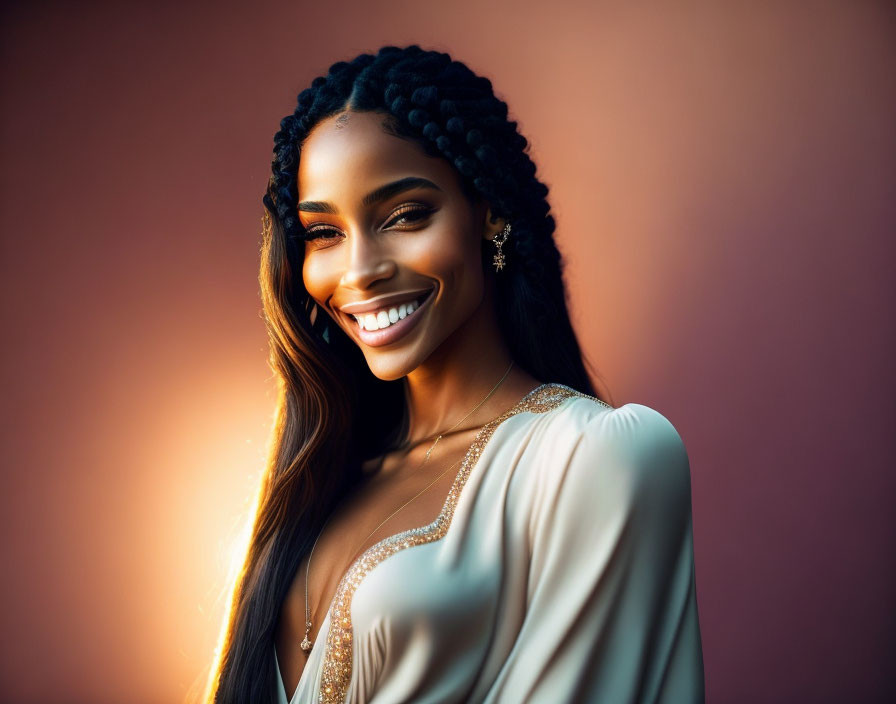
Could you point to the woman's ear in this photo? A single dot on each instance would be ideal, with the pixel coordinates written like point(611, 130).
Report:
point(492, 225)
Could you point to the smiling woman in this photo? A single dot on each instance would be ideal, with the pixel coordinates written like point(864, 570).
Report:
point(450, 512)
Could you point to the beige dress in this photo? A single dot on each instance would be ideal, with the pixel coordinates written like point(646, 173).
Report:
point(560, 569)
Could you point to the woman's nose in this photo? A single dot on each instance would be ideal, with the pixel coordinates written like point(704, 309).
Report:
point(367, 260)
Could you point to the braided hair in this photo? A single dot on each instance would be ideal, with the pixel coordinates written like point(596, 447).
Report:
point(327, 392)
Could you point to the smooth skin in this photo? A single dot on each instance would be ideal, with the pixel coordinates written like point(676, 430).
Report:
point(450, 360)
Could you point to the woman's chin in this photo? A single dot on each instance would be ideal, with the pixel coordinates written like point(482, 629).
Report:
point(391, 366)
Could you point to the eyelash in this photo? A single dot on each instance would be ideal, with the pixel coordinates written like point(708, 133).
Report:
point(314, 233)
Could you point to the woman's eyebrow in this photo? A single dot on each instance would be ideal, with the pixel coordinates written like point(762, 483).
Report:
point(379, 194)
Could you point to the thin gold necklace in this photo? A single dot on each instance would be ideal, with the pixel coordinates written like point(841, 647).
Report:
point(306, 643)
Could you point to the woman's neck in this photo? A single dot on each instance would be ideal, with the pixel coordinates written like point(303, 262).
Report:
point(461, 373)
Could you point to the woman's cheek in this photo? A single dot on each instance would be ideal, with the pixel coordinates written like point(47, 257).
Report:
point(439, 252)
point(318, 277)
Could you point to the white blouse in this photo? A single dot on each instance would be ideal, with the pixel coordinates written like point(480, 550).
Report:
point(560, 569)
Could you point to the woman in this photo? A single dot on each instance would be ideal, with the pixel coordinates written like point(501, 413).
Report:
point(450, 513)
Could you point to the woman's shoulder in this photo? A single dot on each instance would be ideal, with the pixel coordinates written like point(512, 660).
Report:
point(633, 450)
point(574, 414)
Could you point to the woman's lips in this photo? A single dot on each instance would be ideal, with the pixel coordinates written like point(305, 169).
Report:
point(397, 330)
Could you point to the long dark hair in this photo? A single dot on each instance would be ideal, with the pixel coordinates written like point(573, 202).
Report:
point(327, 393)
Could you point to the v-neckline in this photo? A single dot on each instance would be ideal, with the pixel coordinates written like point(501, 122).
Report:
point(491, 428)
point(493, 424)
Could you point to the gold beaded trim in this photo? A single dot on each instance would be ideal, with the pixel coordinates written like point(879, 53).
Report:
point(337, 668)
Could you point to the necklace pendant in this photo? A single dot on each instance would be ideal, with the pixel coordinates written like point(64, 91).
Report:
point(306, 644)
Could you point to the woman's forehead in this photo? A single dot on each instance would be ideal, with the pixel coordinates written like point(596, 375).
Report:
point(350, 152)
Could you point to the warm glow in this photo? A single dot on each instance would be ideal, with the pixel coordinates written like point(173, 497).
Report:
point(237, 550)
point(233, 549)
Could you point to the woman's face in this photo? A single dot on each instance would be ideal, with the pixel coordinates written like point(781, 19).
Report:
point(392, 227)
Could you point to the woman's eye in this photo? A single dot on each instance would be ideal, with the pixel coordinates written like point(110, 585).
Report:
point(409, 215)
point(314, 233)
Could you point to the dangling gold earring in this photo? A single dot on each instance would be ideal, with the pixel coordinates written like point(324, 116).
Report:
point(500, 239)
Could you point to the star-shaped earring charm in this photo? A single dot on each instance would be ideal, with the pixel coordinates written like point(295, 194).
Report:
point(500, 239)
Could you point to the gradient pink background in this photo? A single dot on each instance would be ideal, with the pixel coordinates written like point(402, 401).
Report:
point(722, 174)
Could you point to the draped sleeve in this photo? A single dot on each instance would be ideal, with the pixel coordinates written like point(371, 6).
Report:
point(611, 610)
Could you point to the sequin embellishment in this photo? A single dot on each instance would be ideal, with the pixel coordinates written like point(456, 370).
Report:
point(337, 667)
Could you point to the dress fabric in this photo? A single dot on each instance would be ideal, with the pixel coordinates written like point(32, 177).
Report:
point(560, 569)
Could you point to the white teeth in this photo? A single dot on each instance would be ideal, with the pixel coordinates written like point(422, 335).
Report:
point(385, 318)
